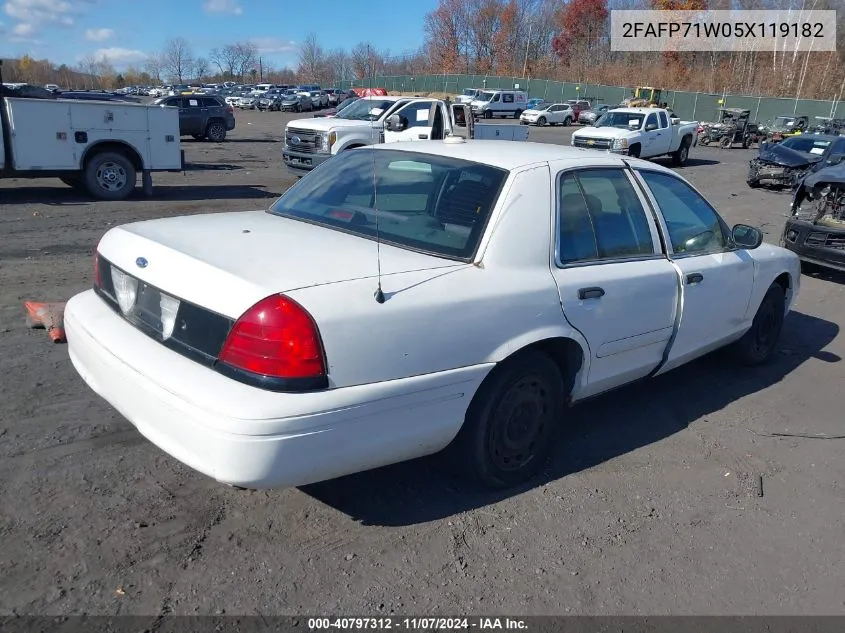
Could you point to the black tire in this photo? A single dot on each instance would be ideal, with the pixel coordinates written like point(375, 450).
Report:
point(541, 121)
point(679, 158)
point(216, 132)
point(516, 114)
point(567, 122)
point(508, 431)
point(754, 184)
point(109, 176)
point(488, 114)
point(634, 152)
point(725, 142)
point(758, 344)
point(298, 107)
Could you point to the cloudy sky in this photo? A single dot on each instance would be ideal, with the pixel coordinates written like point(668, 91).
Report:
point(65, 31)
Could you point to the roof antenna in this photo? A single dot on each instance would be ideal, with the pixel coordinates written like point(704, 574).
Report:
point(379, 294)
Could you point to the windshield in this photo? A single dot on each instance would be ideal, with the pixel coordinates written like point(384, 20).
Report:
point(783, 122)
point(434, 204)
point(484, 96)
point(806, 144)
point(470, 92)
point(622, 120)
point(344, 103)
point(360, 109)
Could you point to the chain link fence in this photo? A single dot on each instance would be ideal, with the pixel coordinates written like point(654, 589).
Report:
point(696, 106)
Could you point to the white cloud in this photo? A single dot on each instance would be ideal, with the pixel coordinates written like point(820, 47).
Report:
point(272, 45)
point(120, 56)
point(98, 35)
point(223, 6)
point(40, 12)
point(23, 30)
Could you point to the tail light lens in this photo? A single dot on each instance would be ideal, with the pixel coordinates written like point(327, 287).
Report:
point(276, 338)
point(98, 281)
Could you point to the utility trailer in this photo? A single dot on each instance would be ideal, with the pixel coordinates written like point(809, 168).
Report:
point(99, 147)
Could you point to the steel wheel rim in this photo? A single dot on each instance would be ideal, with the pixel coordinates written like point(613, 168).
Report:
point(519, 422)
point(111, 176)
point(684, 153)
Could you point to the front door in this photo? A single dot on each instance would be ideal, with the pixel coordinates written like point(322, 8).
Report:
point(717, 277)
point(616, 287)
point(417, 120)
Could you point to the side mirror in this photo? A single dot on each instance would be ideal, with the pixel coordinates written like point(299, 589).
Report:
point(746, 236)
point(393, 123)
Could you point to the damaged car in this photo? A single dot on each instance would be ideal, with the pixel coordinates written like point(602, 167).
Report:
point(815, 230)
point(784, 126)
point(784, 164)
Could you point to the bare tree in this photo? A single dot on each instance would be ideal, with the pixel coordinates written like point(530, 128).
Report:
point(178, 58)
point(365, 60)
point(246, 59)
point(201, 68)
point(153, 65)
point(226, 59)
point(312, 59)
point(88, 66)
point(338, 66)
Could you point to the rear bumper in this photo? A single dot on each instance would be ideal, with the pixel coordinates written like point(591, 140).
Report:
point(299, 163)
point(797, 233)
point(248, 437)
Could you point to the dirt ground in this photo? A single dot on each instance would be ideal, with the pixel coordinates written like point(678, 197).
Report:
point(651, 506)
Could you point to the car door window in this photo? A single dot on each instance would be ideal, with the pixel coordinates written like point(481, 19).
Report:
point(663, 120)
point(417, 114)
point(601, 217)
point(496, 98)
point(651, 121)
point(694, 226)
point(507, 98)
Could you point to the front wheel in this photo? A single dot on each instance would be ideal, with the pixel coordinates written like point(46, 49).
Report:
point(110, 176)
point(508, 430)
point(634, 152)
point(758, 344)
point(541, 121)
point(725, 142)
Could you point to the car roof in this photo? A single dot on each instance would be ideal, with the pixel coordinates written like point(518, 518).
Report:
point(511, 154)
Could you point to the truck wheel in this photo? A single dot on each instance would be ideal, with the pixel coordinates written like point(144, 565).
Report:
point(507, 434)
point(488, 114)
point(759, 342)
point(679, 158)
point(725, 142)
point(541, 121)
point(216, 132)
point(109, 176)
point(516, 114)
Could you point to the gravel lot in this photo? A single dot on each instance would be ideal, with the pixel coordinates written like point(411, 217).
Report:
point(651, 506)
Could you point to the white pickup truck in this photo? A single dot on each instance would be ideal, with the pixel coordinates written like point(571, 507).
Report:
point(382, 119)
point(98, 146)
point(641, 133)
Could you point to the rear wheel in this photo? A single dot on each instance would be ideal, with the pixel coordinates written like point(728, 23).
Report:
point(216, 132)
point(679, 158)
point(757, 345)
point(488, 114)
point(109, 176)
point(507, 433)
point(516, 114)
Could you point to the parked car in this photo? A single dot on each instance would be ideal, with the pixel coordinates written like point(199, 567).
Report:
point(548, 114)
point(249, 101)
point(589, 117)
point(271, 100)
point(319, 98)
point(332, 112)
point(532, 104)
point(310, 364)
point(202, 116)
point(297, 102)
point(579, 106)
point(335, 96)
point(784, 164)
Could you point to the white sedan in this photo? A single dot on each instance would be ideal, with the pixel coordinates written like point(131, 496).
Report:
point(401, 300)
point(548, 114)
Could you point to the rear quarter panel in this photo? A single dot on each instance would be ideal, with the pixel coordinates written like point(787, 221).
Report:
point(770, 262)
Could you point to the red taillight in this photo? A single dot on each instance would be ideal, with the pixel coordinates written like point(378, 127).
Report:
point(98, 282)
point(276, 337)
point(230, 109)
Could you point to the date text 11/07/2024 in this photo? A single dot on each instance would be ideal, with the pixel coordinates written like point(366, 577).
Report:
point(415, 624)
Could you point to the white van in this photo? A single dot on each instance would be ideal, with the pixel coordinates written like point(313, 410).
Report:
point(503, 103)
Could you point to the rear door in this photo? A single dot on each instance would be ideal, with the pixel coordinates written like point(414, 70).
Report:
point(616, 286)
point(417, 120)
point(717, 277)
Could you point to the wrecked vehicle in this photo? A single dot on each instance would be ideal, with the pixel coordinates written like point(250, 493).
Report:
point(784, 126)
point(816, 229)
point(784, 164)
point(827, 125)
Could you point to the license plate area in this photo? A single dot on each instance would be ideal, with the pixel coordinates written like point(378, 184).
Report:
point(155, 310)
point(295, 160)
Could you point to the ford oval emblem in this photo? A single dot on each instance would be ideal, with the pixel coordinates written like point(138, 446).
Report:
point(295, 140)
point(141, 262)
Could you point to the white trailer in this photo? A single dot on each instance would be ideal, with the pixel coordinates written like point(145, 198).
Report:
point(98, 146)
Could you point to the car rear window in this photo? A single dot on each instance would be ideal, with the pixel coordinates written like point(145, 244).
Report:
point(433, 204)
